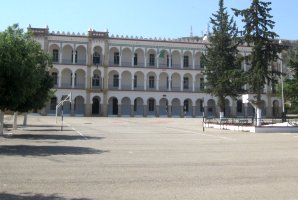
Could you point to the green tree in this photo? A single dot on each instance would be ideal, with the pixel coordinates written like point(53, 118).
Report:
point(23, 71)
point(258, 33)
point(291, 85)
point(222, 63)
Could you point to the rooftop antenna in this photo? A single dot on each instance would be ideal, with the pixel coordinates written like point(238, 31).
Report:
point(191, 35)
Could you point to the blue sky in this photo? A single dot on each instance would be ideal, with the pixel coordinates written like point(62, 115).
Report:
point(154, 18)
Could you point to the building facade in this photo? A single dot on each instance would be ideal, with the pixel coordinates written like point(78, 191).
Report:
point(131, 76)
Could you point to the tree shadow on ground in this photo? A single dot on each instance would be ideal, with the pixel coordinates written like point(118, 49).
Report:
point(51, 137)
point(30, 150)
point(29, 196)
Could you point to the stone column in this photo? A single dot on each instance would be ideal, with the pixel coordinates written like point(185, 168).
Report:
point(119, 86)
point(182, 114)
point(120, 58)
point(72, 80)
point(60, 55)
point(181, 61)
point(193, 85)
point(119, 110)
point(132, 84)
point(181, 84)
point(193, 60)
point(170, 85)
point(145, 84)
point(74, 57)
point(88, 106)
point(170, 61)
point(145, 111)
point(72, 109)
point(59, 80)
point(132, 59)
point(145, 58)
point(169, 110)
point(157, 111)
point(132, 112)
point(101, 113)
point(157, 84)
point(193, 111)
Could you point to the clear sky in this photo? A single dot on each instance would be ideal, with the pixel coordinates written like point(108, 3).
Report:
point(154, 18)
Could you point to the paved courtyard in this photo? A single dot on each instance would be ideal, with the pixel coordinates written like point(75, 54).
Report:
point(146, 159)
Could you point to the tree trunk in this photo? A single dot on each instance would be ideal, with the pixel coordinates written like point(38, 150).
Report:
point(221, 115)
point(1, 122)
point(15, 120)
point(221, 104)
point(258, 110)
point(259, 116)
point(25, 119)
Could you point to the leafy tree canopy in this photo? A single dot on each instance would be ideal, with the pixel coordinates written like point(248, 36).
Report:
point(222, 61)
point(258, 32)
point(23, 71)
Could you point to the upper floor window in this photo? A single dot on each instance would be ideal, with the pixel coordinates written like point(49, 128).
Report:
point(185, 61)
point(151, 81)
point(168, 61)
point(151, 104)
point(168, 82)
point(116, 80)
point(151, 59)
point(116, 58)
point(201, 83)
point(95, 80)
point(55, 55)
point(96, 58)
point(185, 83)
point(55, 78)
point(135, 59)
point(75, 79)
point(135, 82)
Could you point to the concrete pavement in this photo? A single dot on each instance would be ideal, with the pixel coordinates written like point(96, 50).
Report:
point(145, 158)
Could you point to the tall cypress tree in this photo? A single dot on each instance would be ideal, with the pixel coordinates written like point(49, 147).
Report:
point(258, 32)
point(222, 63)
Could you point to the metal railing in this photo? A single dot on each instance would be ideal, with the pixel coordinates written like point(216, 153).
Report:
point(249, 121)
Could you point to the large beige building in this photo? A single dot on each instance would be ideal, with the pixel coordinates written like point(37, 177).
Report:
point(131, 76)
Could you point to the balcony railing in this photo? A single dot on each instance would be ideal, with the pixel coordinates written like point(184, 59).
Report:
point(79, 86)
point(66, 85)
point(67, 61)
point(81, 62)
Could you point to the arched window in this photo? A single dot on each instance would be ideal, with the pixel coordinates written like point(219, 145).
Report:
point(96, 80)
point(55, 78)
point(185, 83)
point(151, 81)
point(96, 58)
point(53, 103)
point(55, 55)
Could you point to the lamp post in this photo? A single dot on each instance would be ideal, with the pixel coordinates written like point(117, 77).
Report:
point(282, 87)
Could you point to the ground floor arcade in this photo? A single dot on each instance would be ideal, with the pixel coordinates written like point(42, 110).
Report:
point(155, 104)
